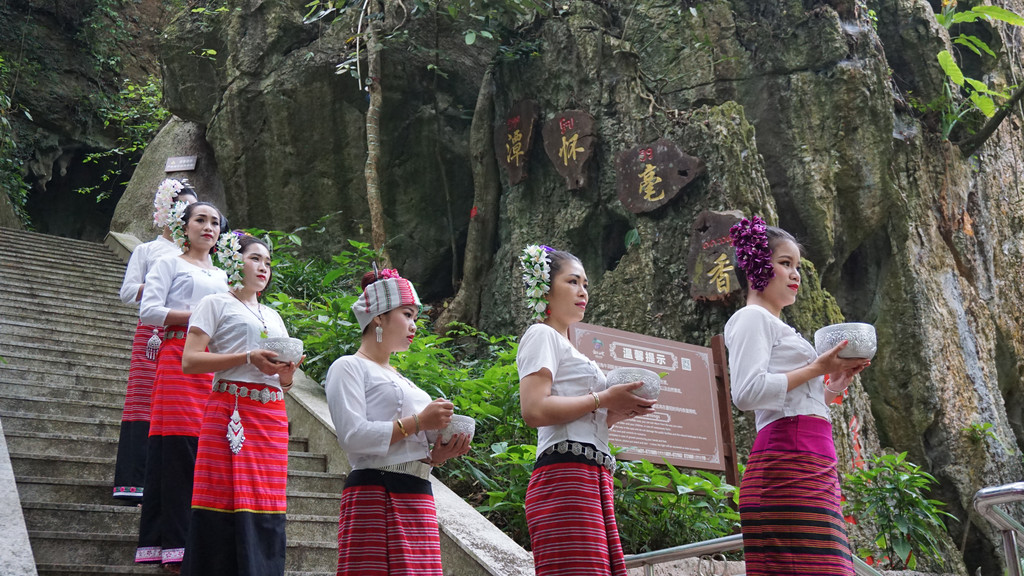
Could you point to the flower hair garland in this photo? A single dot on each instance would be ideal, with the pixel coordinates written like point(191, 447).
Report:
point(385, 273)
point(537, 277)
point(176, 222)
point(753, 255)
point(163, 202)
point(229, 258)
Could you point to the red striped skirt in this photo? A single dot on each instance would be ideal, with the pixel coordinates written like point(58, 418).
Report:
point(141, 373)
point(388, 526)
point(178, 399)
point(571, 516)
point(255, 479)
point(789, 502)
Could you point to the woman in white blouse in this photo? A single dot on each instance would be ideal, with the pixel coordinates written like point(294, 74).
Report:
point(789, 497)
point(239, 492)
point(569, 501)
point(388, 522)
point(130, 466)
point(173, 287)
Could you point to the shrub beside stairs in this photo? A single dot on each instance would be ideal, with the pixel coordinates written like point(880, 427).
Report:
point(66, 339)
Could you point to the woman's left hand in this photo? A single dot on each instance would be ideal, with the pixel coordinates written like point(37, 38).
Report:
point(841, 380)
point(457, 446)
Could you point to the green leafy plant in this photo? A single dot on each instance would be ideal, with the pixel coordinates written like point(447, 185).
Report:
point(980, 96)
point(11, 163)
point(137, 114)
point(105, 31)
point(892, 490)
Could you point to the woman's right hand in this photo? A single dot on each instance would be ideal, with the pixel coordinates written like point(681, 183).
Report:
point(831, 363)
point(620, 398)
point(437, 415)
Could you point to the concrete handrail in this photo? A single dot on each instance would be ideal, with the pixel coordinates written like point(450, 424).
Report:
point(470, 544)
point(121, 244)
point(15, 549)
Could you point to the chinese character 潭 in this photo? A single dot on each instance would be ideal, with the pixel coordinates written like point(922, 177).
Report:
point(569, 149)
point(720, 274)
point(514, 147)
point(648, 180)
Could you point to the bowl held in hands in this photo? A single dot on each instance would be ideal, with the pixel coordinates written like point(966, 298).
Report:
point(287, 349)
point(460, 424)
point(861, 337)
point(651, 381)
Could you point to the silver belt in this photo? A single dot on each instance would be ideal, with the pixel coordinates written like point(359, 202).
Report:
point(596, 456)
point(263, 395)
point(175, 334)
point(412, 468)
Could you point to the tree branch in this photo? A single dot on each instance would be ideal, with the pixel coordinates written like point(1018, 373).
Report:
point(971, 144)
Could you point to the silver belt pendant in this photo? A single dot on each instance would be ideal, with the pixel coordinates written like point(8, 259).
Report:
point(153, 345)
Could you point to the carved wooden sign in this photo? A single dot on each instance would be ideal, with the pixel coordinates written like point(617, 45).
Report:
point(180, 164)
point(712, 259)
point(650, 176)
point(569, 140)
point(513, 139)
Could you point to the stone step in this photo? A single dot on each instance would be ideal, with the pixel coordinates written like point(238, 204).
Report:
point(58, 392)
point(45, 310)
point(85, 334)
point(45, 407)
point(84, 467)
point(73, 278)
point(57, 444)
point(69, 548)
point(70, 356)
point(41, 489)
point(306, 462)
point(14, 421)
point(29, 362)
point(33, 259)
point(63, 320)
point(325, 483)
point(88, 253)
point(298, 444)
point(26, 237)
point(104, 287)
point(60, 296)
point(312, 502)
point(43, 374)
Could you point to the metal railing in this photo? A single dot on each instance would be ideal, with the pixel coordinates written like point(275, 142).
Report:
point(725, 544)
point(986, 501)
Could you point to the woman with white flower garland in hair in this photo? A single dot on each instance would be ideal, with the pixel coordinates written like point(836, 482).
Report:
point(387, 523)
point(239, 491)
point(130, 466)
point(789, 503)
point(173, 287)
point(569, 502)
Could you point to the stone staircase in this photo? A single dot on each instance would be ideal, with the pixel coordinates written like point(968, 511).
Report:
point(66, 339)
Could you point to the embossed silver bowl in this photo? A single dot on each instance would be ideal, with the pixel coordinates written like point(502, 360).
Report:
point(460, 424)
point(287, 349)
point(651, 381)
point(863, 342)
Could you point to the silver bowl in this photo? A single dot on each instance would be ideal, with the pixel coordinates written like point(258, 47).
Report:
point(460, 424)
point(651, 381)
point(287, 349)
point(862, 340)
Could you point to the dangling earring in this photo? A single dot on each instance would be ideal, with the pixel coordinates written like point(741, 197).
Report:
point(188, 245)
point(380, 333)
point(547, 311)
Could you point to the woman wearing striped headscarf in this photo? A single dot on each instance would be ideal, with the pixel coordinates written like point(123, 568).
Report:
point(388, 522)
point(569, 501)
point(789, 497)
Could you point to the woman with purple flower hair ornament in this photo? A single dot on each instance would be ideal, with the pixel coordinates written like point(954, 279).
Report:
point(569, 502)
point(790, 510)
point(130, 467)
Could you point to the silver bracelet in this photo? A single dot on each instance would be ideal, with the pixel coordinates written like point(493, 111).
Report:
point(248, 359)
point(836, 392)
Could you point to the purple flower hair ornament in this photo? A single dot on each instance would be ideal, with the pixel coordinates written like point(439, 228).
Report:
point(753, 255)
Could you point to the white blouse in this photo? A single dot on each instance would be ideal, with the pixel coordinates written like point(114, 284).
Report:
point(572, 374)
point(762, 349)
point(142, 259)
point(233, 328)
point(365, 399)
point(176, 284)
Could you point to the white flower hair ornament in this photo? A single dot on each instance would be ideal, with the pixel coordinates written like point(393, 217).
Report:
point(229, 258)
point(537, 277)
point(163, 202)
point(176, 222)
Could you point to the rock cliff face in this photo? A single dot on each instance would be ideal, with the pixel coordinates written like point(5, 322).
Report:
point(799, 111)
